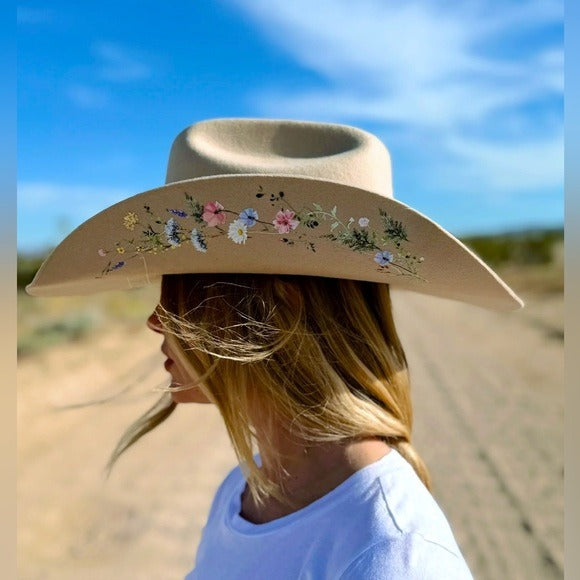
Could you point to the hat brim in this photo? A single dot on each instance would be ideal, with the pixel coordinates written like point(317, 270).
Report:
point(291, 225)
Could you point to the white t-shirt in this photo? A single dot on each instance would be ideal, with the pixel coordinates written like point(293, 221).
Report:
point(380, 523)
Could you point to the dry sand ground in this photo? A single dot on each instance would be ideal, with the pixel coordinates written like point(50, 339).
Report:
point(488, 394)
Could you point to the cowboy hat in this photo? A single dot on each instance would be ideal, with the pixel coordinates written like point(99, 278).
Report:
point(272, 197)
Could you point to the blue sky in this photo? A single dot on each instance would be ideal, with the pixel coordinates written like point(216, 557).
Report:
point(467, 96)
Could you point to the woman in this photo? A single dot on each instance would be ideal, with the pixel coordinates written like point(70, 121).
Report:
point(277, 242)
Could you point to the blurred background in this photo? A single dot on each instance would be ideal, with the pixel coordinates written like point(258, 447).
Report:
point(468, 97)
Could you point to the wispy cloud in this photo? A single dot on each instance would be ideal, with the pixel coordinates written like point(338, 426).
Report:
point(531, 166)
point(117, 63)
point(112, 64)
point(87, 97)
point(486, 77)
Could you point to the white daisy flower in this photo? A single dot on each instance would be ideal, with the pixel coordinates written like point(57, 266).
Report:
point(363, 222)
point(238, 232)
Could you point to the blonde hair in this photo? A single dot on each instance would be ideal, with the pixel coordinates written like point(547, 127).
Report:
point(319, 356)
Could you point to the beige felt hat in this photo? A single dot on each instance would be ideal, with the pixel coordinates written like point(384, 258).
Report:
point(273, 197)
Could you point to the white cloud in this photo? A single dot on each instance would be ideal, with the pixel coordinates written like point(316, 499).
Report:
point(420, 62)
point(116, 63)
point(441, 108)
point(87, 97)
point(510, 168)
point(112, 64)
point(455, 70)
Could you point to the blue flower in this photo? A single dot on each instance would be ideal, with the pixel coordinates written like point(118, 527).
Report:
point(198, 241)
point(249, 216)
point(172, 232)
point(117, 265)
point(383, 258)
point(178, 212)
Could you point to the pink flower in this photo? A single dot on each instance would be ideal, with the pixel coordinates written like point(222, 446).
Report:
point(284, 222)
point(102, 253)
point(212, 213)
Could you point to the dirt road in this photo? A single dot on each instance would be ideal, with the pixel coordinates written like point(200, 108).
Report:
point(488, 395)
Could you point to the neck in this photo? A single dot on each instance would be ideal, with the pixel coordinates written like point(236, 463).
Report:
point(310, 472)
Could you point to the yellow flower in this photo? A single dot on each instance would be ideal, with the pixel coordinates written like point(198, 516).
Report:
point(120, 250)
point(130, 220)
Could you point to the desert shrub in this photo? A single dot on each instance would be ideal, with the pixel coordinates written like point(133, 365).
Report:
point(51, 332)
point(26, 268)
point(522, 248)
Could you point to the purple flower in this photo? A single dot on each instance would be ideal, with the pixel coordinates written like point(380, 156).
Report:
point(178, 212)
point(383, 258)
point(249, 217)
point(117, 265)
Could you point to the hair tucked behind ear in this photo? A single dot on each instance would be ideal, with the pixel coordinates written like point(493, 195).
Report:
point(318, 356)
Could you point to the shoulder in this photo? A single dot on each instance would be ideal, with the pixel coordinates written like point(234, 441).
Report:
point(410, 556)
point(234, 477)
point(412, 509)
point(233, 481)
point(411, 537)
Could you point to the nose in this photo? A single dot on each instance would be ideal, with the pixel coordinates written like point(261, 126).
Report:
point(154, 323)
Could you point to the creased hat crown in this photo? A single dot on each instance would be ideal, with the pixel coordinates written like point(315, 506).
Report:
point(327, 151)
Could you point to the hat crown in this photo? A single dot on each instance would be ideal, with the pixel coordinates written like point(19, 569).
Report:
point(327, 151)
point(270, 197)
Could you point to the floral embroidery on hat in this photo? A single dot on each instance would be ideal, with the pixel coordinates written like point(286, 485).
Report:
point(238, 232)
point(284, 222)
point(383, 258)
point(198, 240)
point(110, 267)
point(172, 232)
point(249, 216)
point(131, 220)
point(199, 222)
point(213, 214)
point(178, 212)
